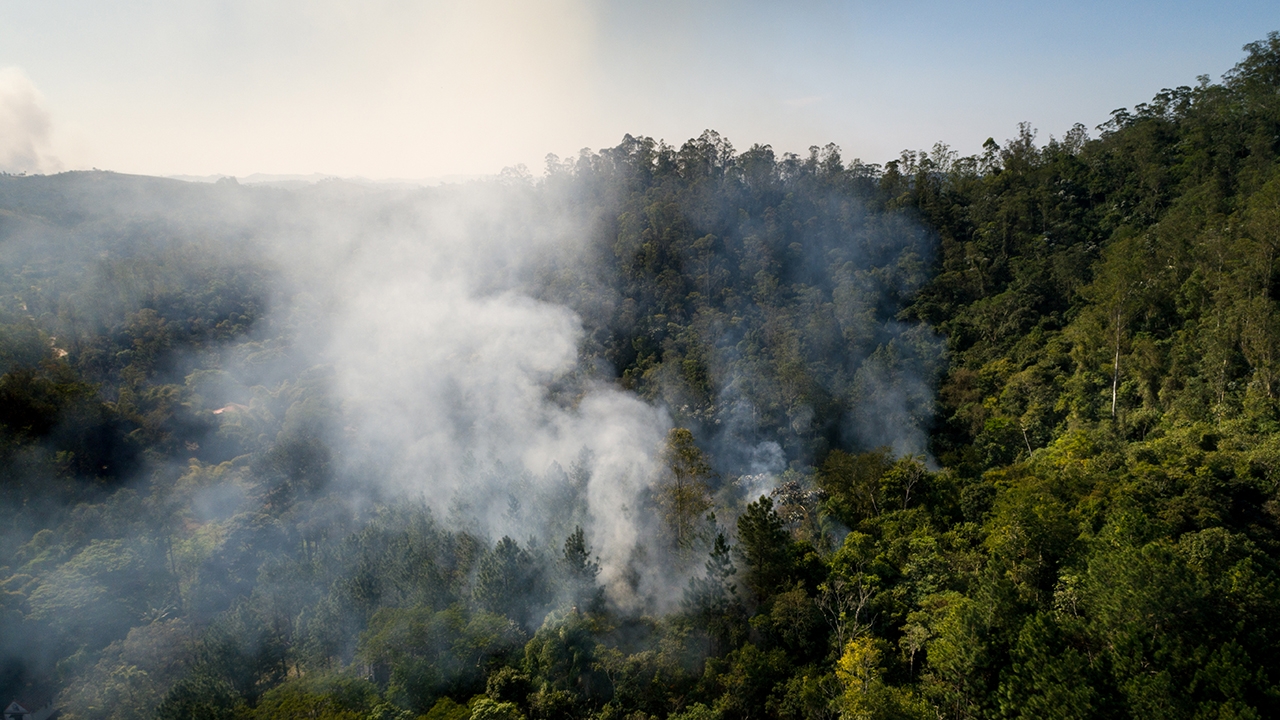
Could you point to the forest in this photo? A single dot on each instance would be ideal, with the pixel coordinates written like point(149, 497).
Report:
point(664, 432)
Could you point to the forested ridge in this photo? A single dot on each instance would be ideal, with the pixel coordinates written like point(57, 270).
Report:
point(962, 437)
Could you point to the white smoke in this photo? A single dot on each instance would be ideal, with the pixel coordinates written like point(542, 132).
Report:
point(444, 366)
point(25, 126)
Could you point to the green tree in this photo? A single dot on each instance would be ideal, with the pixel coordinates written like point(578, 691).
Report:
point(561, 657)
point(683, 493)
point(866, 695)
point(852, 483)
point(510, 581)
point(713, 598)
point(766, 546)
point(1047, 676)
point(580, 573)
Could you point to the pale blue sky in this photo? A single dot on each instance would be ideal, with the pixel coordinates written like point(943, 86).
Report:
point(392, 88)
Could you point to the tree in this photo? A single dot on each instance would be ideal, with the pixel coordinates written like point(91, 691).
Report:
point(318, 697)
point(683, 494)
point(866, 695)
point(419, 655)
point(200, 697)
point(852, 483)
point(486, 709)
point(713, 598)
point(1116, 295)
point(766, 545)
point(561, 657)
point(510, 581)
point(579, 573)
point(1047, 677)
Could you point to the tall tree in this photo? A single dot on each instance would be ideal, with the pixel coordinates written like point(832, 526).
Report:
point(683, 494)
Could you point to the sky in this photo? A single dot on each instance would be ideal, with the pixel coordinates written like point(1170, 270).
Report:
point(400, 89)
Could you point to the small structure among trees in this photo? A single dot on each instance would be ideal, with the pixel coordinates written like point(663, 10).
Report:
point(17, 710)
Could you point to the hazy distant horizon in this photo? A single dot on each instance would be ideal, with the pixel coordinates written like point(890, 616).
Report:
point(427, 90)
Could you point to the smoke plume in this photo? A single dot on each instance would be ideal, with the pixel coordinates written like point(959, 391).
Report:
point(25, 126)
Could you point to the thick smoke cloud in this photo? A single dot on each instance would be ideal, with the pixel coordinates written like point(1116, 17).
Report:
point(25, 126)
point(457, 385)
point(459, 380)
point(386, 347)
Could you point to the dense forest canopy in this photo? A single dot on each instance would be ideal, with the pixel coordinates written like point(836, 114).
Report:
point(684, 432)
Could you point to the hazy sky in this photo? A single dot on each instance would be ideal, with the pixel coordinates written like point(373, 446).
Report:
point(393, 88)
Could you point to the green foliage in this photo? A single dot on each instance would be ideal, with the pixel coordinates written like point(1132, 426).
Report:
point(1048, 678)
point(511, 581)
point(132, 676)
point(747, 679)
point(767, 548)
point(447, 709)
point(200, 697)
point(852, 484)
point(421, 655)
point(579, 574)
point(684, 494)
point(486, 709)
point(332, 697)
point(865, 694)
point(560, 658)
point(101, 591)
point(712, 599)
point(698, 711)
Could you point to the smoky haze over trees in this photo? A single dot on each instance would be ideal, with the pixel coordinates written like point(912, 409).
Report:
point(690, 432)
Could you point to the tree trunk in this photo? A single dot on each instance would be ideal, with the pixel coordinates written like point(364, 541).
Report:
point(1115, 373)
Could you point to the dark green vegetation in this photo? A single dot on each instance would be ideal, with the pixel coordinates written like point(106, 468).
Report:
point(1100, 538)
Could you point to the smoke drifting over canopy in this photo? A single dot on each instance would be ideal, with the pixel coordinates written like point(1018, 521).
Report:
point(443, 363)
point(467, 331)
point(512, 353)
